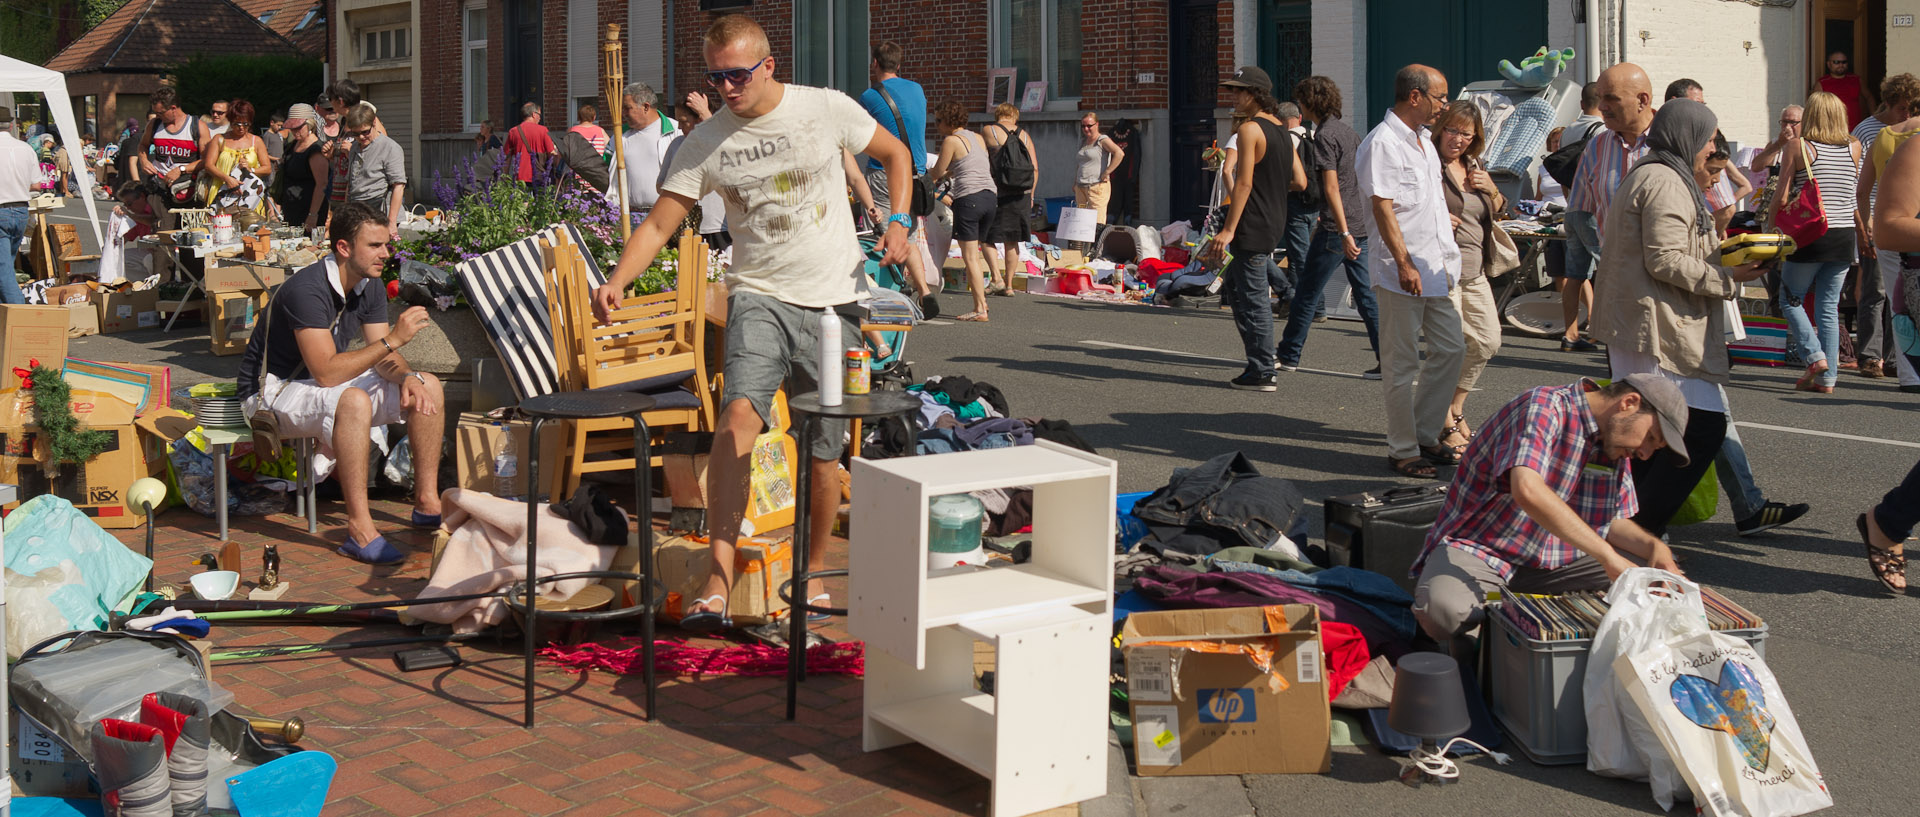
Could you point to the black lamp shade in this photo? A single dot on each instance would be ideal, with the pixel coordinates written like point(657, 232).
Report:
point(1428, 700)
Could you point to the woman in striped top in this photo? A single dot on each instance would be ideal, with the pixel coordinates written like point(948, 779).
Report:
point(1828, 154)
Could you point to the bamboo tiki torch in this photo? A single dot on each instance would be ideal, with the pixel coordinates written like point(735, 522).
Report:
point(616, 91)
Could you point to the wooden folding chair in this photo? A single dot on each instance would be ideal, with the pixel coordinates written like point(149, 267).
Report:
point(652, 344)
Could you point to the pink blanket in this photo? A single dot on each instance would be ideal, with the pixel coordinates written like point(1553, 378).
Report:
point(488, 551)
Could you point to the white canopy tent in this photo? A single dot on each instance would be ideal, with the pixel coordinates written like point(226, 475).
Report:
point(16, 77)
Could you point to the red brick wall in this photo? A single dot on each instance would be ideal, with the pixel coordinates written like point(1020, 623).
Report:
point(1225, 59)
point(1120, 40)
point(945, 45)
point(690, 24)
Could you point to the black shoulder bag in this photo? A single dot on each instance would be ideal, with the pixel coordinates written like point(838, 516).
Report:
point(922, 203)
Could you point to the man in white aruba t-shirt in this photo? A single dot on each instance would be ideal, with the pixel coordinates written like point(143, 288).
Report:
point(774, 154)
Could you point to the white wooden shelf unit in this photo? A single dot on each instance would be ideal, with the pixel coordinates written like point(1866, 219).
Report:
point(1041, 736)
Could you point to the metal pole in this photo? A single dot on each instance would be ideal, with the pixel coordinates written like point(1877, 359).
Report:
point(616, 99)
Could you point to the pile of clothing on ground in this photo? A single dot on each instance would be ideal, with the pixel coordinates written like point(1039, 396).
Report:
point(1221, 535)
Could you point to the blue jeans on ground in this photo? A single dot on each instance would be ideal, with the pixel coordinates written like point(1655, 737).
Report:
point(1298, 237)
point(1248, 277)
point(13, 225)
point(1822, 281)
point(1328, 253)
point(1744, 498)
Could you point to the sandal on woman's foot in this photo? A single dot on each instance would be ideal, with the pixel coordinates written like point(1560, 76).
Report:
point(973, 317)
point(706, 620)
point(821, 600)
point(1888, 566)
point(1814, 369)
point(1416, 467)
point(1440, 454)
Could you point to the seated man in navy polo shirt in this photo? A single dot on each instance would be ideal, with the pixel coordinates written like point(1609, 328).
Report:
point(300, 364)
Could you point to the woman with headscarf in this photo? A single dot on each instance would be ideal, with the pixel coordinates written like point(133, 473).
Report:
point(1660, 298)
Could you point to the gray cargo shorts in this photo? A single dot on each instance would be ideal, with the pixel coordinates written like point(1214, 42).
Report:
point(771, 343)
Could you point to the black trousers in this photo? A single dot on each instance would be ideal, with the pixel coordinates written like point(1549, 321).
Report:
point(1663, 484)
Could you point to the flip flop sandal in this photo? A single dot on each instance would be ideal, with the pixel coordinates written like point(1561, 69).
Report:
point(1416, 467)
point(1884, 563)
point(376, 552)
point(426, 521)
point(1440, 454)
point(707, 621)
point(973, 317)
point(821, 600)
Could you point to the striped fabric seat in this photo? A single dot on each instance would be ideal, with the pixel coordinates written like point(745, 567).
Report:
point(508, 292)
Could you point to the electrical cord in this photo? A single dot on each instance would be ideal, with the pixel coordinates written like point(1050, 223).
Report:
point(1439, 766)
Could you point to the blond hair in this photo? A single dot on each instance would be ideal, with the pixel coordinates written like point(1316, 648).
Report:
point(1006, 110)
point(1825, 120)
point(739, 29)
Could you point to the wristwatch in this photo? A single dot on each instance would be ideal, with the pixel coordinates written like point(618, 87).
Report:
point(418, 376)
point(901, 219)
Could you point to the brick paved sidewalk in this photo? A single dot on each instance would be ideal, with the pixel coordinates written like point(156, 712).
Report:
point(430, 741)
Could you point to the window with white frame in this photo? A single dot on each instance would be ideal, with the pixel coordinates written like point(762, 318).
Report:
point(474, 63)
point(1041, 40)
point(830, 44)
point(307, 20)
point(385, 44)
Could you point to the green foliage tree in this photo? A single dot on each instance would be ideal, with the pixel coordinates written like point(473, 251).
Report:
point(271, 83)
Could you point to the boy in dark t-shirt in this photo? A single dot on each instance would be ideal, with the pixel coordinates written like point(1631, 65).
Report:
point(299, 365)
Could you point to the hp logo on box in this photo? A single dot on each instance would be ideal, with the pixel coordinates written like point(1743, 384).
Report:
point(1226, 706)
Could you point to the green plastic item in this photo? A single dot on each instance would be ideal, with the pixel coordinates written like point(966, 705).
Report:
point(1702, 504)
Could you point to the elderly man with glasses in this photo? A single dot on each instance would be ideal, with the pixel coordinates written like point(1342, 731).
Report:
point(1399, 171)
point(378, 177)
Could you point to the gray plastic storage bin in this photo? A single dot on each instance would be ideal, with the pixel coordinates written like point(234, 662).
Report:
point(1535, 687)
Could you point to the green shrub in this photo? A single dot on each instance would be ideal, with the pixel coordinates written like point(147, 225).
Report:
point(271, 83)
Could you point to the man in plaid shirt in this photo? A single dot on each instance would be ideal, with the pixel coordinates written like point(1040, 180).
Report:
point(1542, 500)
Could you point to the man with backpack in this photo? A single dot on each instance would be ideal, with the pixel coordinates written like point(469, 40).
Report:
point(900, 106)
point(1341, 240)
point(1624, 97)
point(1012, 161)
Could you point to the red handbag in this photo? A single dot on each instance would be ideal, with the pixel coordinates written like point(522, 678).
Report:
point(1804, 218)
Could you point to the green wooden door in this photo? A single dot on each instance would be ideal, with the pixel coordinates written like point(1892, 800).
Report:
point(1286, 43)
point(1465, 39)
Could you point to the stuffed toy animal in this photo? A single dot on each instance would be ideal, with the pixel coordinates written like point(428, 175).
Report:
point(1538, 70)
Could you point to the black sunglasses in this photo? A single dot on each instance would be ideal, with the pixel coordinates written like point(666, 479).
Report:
point(737, 76)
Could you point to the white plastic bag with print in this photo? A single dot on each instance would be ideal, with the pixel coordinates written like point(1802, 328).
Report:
point(1646, 607)
point(1719, 712)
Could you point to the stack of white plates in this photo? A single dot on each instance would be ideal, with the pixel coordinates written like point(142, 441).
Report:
point(218, 412)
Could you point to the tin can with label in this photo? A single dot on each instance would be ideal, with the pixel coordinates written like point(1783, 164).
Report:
point(859, 372)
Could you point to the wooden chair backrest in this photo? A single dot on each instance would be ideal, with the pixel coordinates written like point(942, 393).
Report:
point(645, 336)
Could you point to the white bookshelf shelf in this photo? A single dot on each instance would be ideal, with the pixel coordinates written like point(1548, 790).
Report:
point(1041, 735)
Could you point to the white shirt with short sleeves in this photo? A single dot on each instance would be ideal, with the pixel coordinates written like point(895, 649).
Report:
point(1396, 162)
point(785, 190)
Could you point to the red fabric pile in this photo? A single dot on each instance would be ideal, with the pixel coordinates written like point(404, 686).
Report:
point(677, 658)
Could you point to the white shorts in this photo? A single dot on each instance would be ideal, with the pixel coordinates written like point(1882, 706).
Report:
point(306, 408)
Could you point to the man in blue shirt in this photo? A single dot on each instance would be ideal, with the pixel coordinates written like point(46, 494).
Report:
point(905, 118)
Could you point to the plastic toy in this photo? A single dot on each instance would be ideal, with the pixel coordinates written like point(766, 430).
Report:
point(1538, 70)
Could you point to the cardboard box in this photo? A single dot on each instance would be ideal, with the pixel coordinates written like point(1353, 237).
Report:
point(41, 767)
point(235, 314)
point(98, 486)
point(760, 566)
point(127, 311)
point(233, 275)
point(69, 294)
point(1202, 703)
point(27, 334)
point(81, 320)
point(487, 454)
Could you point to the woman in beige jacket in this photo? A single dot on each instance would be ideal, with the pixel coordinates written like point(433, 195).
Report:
point(1660, 301)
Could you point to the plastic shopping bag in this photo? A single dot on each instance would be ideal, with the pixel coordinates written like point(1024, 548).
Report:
point(1647, 608)
point(1719, 712)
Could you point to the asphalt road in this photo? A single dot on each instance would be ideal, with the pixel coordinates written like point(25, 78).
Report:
point(1148, 388)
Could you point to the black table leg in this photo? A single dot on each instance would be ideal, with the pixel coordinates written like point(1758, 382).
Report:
point(802, 541)
point(643, 480)
point(531, 467)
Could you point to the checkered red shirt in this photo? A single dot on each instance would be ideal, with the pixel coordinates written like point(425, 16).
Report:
point(1551, 430)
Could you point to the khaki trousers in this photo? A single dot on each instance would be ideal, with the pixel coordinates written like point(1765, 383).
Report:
point(1480, 328)
point(1415, 415)
point(1093, 197)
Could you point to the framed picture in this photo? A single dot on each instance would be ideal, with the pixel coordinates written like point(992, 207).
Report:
point(1000, 85)
point(1035, 97)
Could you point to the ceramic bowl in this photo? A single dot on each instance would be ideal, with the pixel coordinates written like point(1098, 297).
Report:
point(215, 585)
